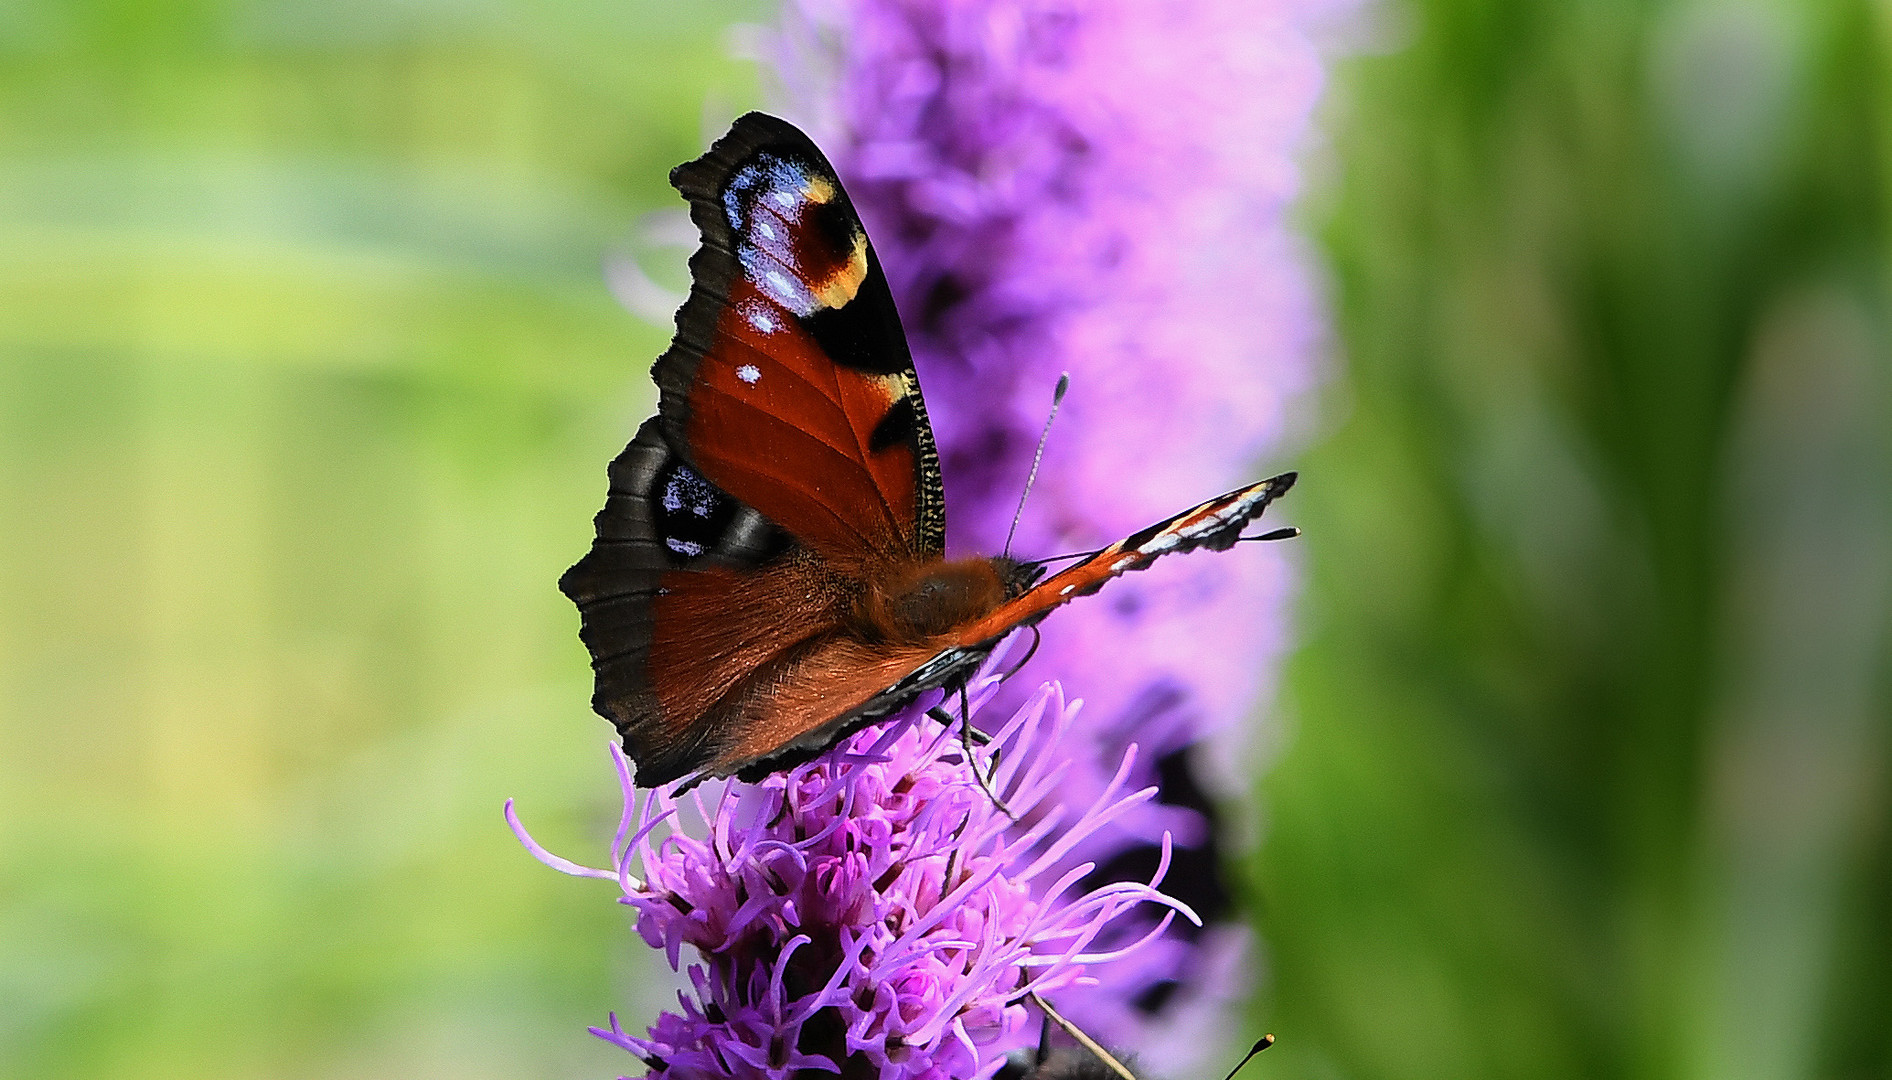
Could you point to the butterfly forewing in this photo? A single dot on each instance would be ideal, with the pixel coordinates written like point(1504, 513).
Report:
point(790, 384)
point(1216, 525)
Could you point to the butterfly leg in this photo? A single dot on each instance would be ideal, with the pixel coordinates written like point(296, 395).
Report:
point(1036, 640)
point(967, 735)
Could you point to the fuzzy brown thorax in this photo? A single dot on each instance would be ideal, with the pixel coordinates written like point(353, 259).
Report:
point(914, 602)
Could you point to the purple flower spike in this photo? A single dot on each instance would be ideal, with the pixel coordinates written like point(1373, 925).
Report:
point(1098, 187)
point(873, 909)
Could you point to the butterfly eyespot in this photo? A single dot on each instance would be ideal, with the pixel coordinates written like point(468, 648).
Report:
point(685, 490)
point(689, 515)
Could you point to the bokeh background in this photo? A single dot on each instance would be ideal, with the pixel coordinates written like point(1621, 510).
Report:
point(308, 372)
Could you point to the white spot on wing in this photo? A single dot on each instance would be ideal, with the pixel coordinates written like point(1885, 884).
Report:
point(758, 194)
point(1197, 528)
point(749, 373)
point(1161, 543)
point(684, 547)
point(780, 287)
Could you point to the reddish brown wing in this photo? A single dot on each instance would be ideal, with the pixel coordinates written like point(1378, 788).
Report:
point(791, 448)
point(840, 684)
point(1215, 524)
point(789, 385)
point(714, 636)
point(658, 596)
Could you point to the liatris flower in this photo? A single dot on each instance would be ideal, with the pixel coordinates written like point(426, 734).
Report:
point(872, 911)
point(1096, 187)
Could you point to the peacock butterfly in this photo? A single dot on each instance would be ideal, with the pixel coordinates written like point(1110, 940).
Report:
point(769, 571)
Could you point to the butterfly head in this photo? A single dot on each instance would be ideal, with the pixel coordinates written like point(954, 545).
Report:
point(1017, 576)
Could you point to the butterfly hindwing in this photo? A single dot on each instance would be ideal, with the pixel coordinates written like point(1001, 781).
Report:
point(673, 556)
point(790, 384)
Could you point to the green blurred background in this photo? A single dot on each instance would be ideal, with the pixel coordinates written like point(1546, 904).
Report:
point(307, 378)
point(308, 374)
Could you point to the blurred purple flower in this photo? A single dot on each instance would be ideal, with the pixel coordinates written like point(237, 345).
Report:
point(872, 909)
point(1098, 187)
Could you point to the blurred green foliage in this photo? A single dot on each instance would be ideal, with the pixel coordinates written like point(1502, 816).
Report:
point(308, 376)
point(1586, 773)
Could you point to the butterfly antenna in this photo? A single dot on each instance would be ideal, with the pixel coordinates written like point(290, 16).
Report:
point(1288, 533)
point(1083, 1040)
point(1261, 1044)
point(1067, 555)
point(1057, 400)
